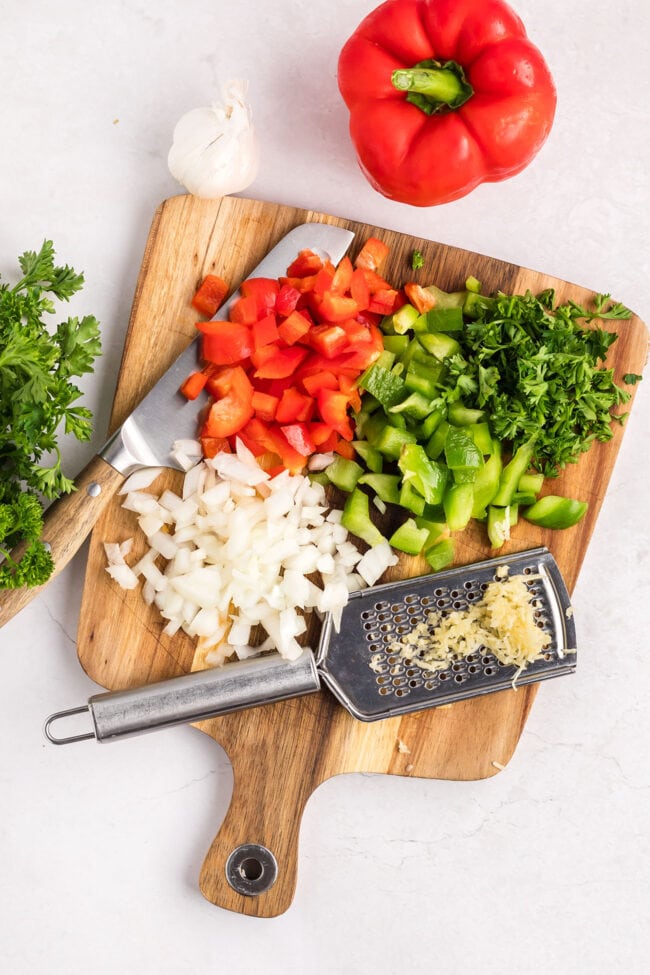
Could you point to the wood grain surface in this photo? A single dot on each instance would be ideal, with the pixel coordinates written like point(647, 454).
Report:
point(281, 753)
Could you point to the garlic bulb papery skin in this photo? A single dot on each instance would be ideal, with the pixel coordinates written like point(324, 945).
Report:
point(215, 149)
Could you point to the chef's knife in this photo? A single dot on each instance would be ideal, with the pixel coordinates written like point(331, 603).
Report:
point(146, 437)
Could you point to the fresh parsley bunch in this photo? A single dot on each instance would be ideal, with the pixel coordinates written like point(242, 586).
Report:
point(38, 402)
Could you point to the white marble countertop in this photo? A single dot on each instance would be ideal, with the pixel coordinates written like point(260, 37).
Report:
point(542, 868)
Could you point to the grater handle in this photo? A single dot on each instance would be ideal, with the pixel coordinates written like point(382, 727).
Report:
point(192, 697)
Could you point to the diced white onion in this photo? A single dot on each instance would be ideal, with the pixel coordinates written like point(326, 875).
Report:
point(140, 479)
point(123, 575)
point(236, 549)
point(375, 562)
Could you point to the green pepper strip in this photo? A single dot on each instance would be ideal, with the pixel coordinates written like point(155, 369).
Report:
point(512, 474)
point(556, 512)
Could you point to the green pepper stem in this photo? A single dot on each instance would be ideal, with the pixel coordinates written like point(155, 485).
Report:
point(438, 83)
point(433, 87)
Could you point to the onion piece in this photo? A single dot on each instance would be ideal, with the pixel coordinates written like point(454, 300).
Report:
point(375, 562)
point(140, 479)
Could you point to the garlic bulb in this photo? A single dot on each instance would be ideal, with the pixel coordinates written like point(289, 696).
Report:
point(215, 150)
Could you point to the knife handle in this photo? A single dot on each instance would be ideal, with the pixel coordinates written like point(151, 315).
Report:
point(67, 523)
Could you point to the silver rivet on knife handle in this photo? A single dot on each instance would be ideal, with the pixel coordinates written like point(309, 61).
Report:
point(192, 697)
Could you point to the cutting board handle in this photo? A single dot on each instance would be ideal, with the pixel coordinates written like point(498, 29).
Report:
point(257, 845)
point(67, 524)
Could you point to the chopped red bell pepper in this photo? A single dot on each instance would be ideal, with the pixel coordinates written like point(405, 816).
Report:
point(286, 300)
point(328, 340)
point(349, 386)
point(323, 436)
point(333, 407)
point(211, 446)
point(342, 280)
point(383, 301)
point(319, 380)
point(264, 405)
point(228, 414)
point(283, 370)
point(344, 448)
point(210, 294)
point(419, 297)
point(294, 327)
point(298, 437)
point(225, 343)
point(244, 310)
point(265, 331)
point(305, 265)
point(294, 406)
point(282, 363)
point(359, 288)
point(264, 291)
point(193, 385)
point(336, 308)
point(372, 254)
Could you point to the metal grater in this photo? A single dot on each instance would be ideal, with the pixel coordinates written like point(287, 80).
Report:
point(356, 663)
point(372, 682)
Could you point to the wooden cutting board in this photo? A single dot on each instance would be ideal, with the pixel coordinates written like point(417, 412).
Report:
point(281, 753)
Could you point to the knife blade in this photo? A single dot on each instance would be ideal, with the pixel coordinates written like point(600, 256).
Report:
point(145, 438)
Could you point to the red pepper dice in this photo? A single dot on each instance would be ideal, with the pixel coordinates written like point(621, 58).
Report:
point(444, 95)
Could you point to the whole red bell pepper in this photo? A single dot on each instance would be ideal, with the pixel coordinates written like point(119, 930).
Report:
point(444, 95)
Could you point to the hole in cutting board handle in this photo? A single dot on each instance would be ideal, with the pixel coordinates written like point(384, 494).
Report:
point(251, 869)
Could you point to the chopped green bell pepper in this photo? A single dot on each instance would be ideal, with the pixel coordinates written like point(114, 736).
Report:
point(486, 484)
point(430, 423)
point(411, 499)
point(446, 299)
point(369, 455)
point(422, 377)
point(458, 503)
point(390, 440)
point(385, 486)
point(498, 525)
point(463, 457)
point(512, 473)
point(436, 443)
point(397, 344)
point(438, 344)
point(435, 529)
point(409, 538)
point(404, 318)
point(441, 554)
point(415, 405)
point(553, 511)
point(387, 387)
point(480, 434)
point(356, 518)
point(440, 319)
point(531, 483)
point(427, 477)
point(344, 473)
point(462, 416)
